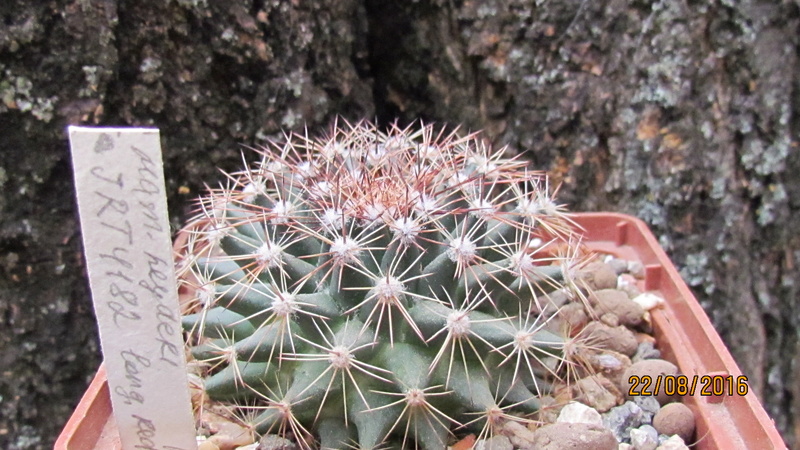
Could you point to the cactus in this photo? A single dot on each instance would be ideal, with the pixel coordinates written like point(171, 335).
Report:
point(374, 289)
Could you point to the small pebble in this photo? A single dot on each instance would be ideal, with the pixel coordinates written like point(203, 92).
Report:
point(675, 418)
point(650, 370)
point(519, 435)
point(207, 445)
point(619, 266)
point(550, 303)
point(573, 315)
point(618, 339)
point(561, 297)
point(611, 364)
point(495, 443)
point(563, 395)
point(627, 284)
point(275, 442)
point(644, 438)
point(596, 391)
point(549, 409)
point(608, 361)
point(644, 337)
point(561, 436)
point(617, 302)
point(227, 434)
point(646, 350)
point(610, 319)
point(601, 276)
point(636, 269)
point(622, 419)
point(648, 301)
point(673, 443)
point(649, 405)
point(575, 412)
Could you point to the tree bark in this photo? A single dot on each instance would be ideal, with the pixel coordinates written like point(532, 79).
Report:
point(681, 113)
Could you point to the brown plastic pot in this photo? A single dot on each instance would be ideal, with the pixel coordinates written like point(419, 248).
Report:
point(684, 333)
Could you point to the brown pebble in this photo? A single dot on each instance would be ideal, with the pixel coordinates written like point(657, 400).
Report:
point(598, 392)
point(464, 444)
point(630, 287)
point(610, 319)
point(573, 315)
point(563, 394)
point(675, 418)
point(619, 266)
point(550, 303)
point(644, 337)
point(618, 303)
point(207, 445)
point(228, 433)
point(559, 297)
point(611, 364)
point(561, 436)
point(548, 411)
point(646, 373)
point(600, 275)
point(518, 434)
point(618, 339)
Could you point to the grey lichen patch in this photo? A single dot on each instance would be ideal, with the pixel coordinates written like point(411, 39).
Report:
point(18, 93)
point(291, 119)
point(228, 35)
point(194, 4)
point(294, 82)
point(719, 188)
point(696, 271)
point(151, 69)
point(652, 212)
point(91, 74)
point(20, 30)
point(668, 56)
point(773, 202)
point(765, 159)
point(28, 437)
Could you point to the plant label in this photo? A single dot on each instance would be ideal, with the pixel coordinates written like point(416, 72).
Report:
point(119, 179)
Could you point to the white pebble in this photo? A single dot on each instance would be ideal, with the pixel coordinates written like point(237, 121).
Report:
point(574, 412)
point(648, 301)
point(644, 438)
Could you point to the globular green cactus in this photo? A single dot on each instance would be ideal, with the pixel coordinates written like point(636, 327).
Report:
point(374, 289)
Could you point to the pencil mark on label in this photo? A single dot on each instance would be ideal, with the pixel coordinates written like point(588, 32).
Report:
point(99, 173)
point(104, 143)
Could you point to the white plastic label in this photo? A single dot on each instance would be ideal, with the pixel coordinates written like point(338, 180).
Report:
point(119, 180)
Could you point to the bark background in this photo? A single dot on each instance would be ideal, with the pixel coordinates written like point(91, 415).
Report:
point(683, 113)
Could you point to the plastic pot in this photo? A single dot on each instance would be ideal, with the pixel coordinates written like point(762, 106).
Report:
point(684, 333)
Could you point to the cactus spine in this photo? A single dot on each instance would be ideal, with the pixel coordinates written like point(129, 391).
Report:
point(374, 288)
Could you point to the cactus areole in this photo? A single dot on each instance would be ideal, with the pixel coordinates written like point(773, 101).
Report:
point(373, 289)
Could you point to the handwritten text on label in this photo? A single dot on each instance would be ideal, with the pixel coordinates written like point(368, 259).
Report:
point(122, 204)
